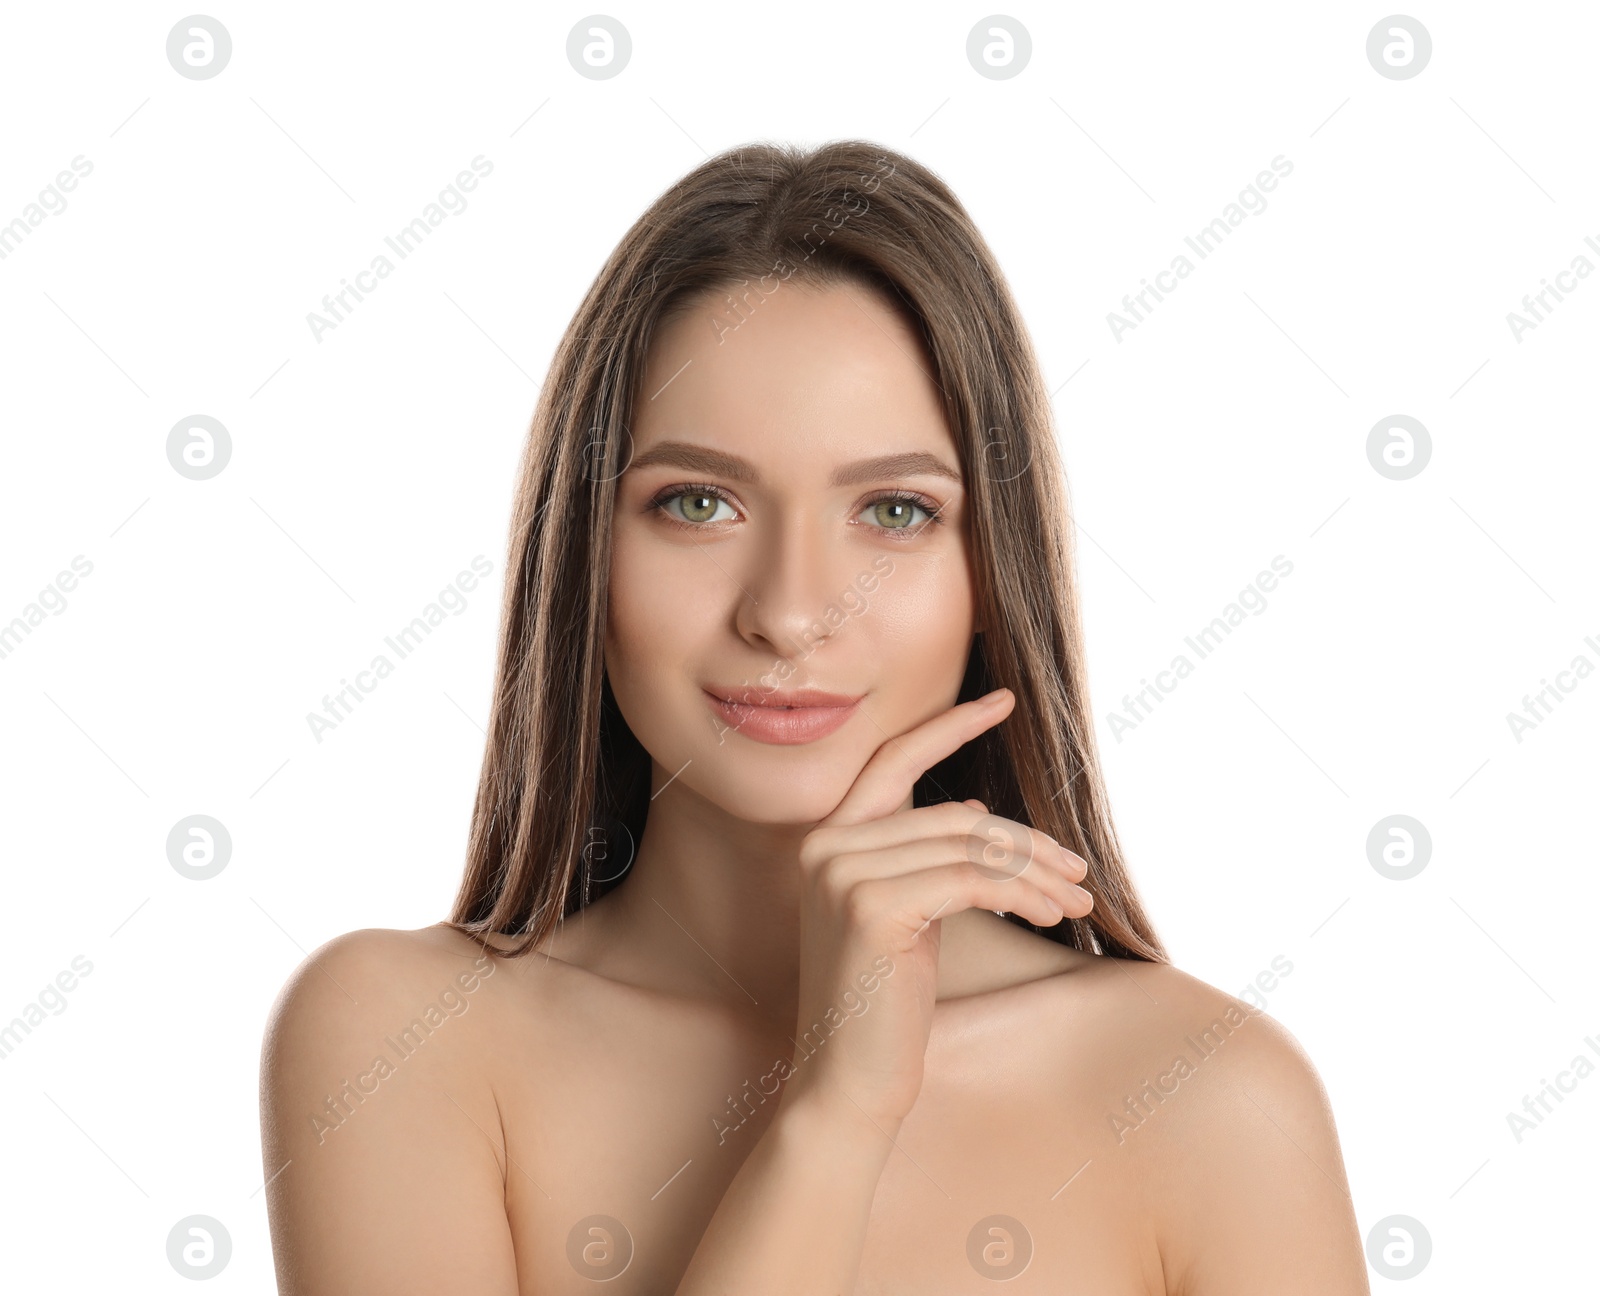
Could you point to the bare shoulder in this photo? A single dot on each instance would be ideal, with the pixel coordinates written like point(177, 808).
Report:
point(365, 988)
point(1229, 1123)
point(382, 1145)
point(373, 965)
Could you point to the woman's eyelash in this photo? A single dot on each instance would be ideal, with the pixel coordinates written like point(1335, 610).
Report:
point(931, 507)
point(658, 503)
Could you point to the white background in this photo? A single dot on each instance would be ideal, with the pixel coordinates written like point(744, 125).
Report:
point(371, 466)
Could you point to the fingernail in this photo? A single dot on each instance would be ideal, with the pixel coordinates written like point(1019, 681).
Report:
point(996, 697)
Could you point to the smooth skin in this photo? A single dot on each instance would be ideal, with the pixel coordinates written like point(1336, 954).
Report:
point(632, 1096)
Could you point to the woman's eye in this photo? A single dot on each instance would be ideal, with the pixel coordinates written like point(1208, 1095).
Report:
point(894, 513)
point(695, 506)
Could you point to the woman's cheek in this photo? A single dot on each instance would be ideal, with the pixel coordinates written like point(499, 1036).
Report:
point(661, 608)
point(921, 614)
point(632, 619)
point(687, 600)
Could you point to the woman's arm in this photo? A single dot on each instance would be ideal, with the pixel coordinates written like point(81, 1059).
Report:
point(875, 879)
point(794, 1220)
point(383, 1178)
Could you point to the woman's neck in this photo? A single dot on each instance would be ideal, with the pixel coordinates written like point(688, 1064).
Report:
point(709, 910)
point(711, 905)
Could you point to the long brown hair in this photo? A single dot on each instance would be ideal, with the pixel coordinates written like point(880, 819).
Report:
point(565, 785)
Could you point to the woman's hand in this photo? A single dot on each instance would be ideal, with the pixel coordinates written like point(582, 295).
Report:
point(875, 883)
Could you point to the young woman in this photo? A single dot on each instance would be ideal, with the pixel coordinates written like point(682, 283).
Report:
point(795, 951)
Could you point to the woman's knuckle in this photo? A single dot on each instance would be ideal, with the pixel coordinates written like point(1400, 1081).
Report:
point(815, 847)
point(836, 872)
point(954, 814)
point(859, 902)
point(969, 875)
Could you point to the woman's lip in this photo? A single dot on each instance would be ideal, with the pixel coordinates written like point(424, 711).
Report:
point(782, 725)
point(779, 698)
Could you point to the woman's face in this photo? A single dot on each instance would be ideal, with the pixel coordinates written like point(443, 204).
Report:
point(792, 517)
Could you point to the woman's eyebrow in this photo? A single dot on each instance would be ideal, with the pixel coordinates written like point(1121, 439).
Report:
point(681, 454)
point(913, 463)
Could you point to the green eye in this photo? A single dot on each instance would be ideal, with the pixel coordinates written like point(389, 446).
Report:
point(694, 506)
point(895, 512)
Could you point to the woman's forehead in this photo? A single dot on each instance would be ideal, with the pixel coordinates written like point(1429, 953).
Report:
point(831, 372)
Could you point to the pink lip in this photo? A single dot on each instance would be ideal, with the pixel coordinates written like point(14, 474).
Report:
point(785, 718)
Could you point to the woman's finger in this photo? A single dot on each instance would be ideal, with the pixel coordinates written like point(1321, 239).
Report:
point(927, 895)
point(1000, 864)
point(889, 776)
point(957, 820)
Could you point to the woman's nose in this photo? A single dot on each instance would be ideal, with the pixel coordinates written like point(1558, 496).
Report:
point(791, 589)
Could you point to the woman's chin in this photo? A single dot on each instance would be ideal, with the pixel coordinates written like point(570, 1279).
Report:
point(797, 799)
